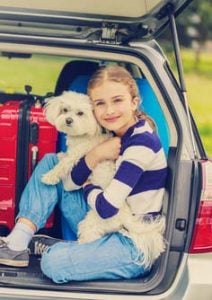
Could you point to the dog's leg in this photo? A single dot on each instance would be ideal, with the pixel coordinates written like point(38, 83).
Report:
point(64, 166)
point(89, 229)
point(60, 171)
point(93, 227)
point(54, 176)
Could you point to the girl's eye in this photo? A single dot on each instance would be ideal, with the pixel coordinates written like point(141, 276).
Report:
point(80, 113)
point(117, 100)
point(99, 103)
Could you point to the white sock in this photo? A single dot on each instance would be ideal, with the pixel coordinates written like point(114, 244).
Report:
point(20, 237)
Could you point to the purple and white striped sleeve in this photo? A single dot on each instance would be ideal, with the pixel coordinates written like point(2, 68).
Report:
point(80, 172)
point(77, 177)
point(107, 202)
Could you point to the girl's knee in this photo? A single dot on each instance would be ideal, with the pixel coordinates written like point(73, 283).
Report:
point(50, 158)
point(54, 263)
point(48, 161)
point(47, 263)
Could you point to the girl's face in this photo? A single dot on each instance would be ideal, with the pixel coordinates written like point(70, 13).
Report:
point(114, 107)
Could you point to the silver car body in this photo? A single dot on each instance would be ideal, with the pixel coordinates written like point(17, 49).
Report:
point(50, 28)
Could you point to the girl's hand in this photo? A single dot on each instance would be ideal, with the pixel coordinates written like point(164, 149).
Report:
point(108, 149)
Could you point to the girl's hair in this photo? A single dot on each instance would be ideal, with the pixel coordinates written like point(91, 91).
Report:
point(119, 74)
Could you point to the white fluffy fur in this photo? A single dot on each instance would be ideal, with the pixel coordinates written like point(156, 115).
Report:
point(146, 235)
point(72, 114)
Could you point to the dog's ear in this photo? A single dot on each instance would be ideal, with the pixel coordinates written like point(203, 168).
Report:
point(52, 109)
point(94, 127)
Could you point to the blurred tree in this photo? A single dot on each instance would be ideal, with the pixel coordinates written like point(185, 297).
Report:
point(201, 19)
point(198, 24)
point(194, 27)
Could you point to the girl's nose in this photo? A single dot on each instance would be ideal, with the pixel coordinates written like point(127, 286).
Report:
point(110, 110)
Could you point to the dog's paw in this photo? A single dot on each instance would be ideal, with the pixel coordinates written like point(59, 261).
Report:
point(61, 155)
point(83, 239)
point(87, 235)
point(50, 178)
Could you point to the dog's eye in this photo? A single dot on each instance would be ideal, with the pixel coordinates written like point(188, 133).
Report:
point(80, 113)
point(64, 110)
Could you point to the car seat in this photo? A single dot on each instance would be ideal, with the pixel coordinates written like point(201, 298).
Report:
point(75, 76)
point(71, 71)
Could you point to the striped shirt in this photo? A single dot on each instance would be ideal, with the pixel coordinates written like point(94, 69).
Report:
point(140, 176)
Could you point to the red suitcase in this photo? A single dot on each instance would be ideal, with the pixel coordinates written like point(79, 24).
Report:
point(25, 136)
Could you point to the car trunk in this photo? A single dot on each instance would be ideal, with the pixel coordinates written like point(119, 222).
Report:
point(93, 30)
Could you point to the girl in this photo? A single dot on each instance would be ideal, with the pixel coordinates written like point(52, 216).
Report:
point(139, 180)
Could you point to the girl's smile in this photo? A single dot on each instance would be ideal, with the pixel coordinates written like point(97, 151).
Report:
point(111, 119)
point(114, 106)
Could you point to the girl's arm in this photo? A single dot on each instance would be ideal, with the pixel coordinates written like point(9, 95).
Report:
point(109, 149)
point(108, 202)
point(135, 160)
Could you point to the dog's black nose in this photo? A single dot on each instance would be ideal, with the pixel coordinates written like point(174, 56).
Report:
point(69, 121)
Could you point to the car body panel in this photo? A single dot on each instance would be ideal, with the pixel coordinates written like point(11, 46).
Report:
point(113, 20)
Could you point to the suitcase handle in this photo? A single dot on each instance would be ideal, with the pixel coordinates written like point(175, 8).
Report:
point(34, 157)
point(34, 133)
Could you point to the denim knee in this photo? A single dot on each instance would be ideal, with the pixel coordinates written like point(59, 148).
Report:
point(47, 263)
point(70, 261)
point(54, 263)
point(50, 158)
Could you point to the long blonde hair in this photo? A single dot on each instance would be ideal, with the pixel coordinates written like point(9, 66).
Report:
point(119, 74)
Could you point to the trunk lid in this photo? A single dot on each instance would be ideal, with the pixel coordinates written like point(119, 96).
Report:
point(114, 21)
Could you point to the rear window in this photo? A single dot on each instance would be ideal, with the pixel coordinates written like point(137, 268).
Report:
point(39, 71)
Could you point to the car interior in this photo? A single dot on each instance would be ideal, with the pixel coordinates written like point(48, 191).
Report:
point(74, 75)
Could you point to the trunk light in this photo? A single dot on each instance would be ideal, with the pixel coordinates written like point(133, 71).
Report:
point(202, 237)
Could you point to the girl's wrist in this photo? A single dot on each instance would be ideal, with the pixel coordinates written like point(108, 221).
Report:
point(92, 158)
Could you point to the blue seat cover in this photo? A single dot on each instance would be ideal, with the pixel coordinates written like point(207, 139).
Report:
point(151, 106)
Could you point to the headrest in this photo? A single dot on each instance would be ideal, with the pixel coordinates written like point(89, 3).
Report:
point(73, 70)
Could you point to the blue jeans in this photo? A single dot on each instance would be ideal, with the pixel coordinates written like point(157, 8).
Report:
point(113, 256)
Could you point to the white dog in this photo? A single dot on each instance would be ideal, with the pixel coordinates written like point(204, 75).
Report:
point(72, 114)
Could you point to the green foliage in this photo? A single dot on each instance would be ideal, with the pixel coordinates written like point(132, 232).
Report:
point(199, 90)
point(204, 10)
point(203, 68)
point(194, 24)
point(41, 72)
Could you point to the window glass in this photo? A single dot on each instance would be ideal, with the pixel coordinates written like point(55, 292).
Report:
point(39, 71)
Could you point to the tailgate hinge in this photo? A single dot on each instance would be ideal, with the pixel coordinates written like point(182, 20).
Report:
point(109, 33)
